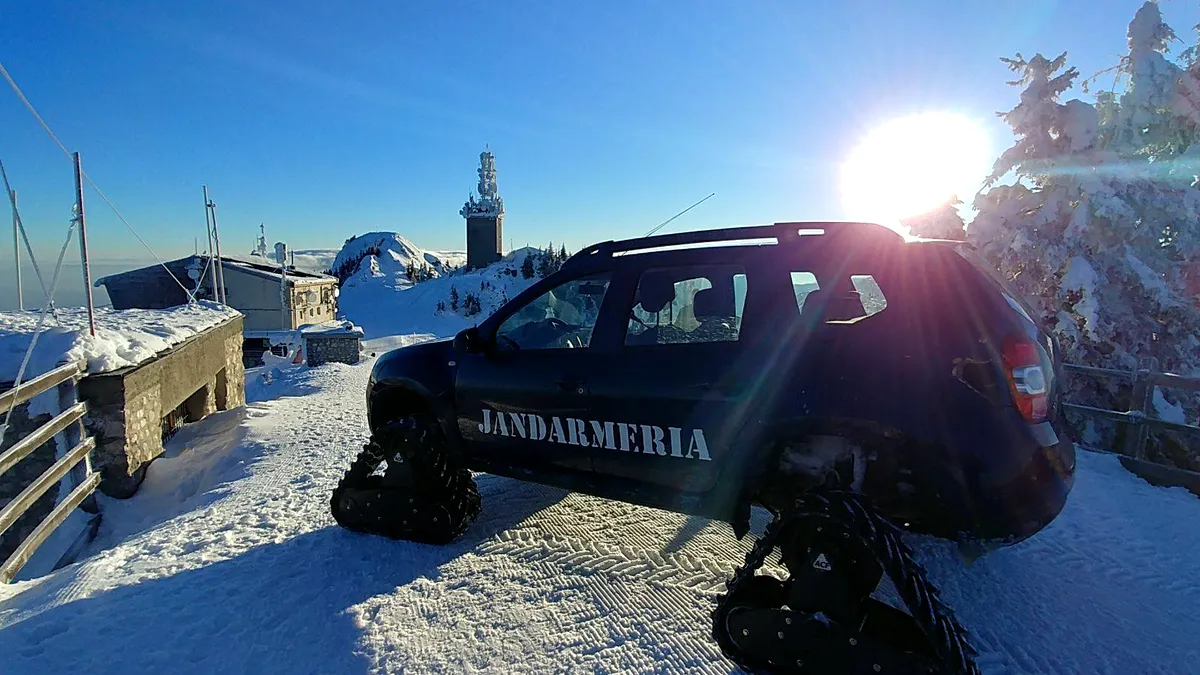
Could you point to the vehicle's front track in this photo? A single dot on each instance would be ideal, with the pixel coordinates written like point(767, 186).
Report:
point(422, 496)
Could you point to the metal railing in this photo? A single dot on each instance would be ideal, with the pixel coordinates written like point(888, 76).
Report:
point(1140, 415)
point(76, 462)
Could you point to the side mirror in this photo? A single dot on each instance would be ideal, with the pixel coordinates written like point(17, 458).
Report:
point(469, 341)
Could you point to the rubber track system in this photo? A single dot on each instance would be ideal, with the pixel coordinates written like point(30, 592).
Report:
point(745, 591)
point(422, 496)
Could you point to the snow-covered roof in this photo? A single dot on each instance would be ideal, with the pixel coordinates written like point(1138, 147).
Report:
point(253, 265)
point(123, 337)
point(270, 270)
point(331, 329)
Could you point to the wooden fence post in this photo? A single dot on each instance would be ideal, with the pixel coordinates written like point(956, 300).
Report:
point(1140, 405)
point(68, 395)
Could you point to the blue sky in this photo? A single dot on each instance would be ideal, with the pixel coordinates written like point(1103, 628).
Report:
point(328, 119)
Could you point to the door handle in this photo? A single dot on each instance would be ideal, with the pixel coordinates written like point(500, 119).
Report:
point(573, 385)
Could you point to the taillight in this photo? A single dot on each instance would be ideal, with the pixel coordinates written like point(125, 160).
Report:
point(1027, 379)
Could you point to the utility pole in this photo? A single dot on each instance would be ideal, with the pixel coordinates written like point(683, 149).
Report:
point(218, 271)
point(281, 258)
point(209, 250)
point(17, 249)
point(83, 246)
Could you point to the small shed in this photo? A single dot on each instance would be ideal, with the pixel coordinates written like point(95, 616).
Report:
point(335, 341)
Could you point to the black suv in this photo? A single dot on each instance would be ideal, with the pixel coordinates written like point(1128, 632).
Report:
point(853, 382)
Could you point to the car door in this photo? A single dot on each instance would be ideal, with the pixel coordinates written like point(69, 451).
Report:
point(676, 388)
point(523, 399)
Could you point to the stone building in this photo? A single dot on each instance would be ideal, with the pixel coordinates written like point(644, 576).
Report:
point(339, 342)
point(130, 410)
point(485, 217)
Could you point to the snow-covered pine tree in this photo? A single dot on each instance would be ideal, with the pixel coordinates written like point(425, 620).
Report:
point(453, 299)
point(1098, 217)
point(471, 305)
point(527, 270)
point(544, 261)
point(943, 222)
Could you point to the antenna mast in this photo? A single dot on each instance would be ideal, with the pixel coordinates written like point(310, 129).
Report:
point(210, 208)
point(660, 225)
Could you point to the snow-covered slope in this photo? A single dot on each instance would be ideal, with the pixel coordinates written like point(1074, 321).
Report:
point(386, 255)
point(228, 561)
point(379, 297)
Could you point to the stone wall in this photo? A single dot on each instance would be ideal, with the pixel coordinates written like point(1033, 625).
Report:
point(25, 472)
point(321, 349)
point(126, 407)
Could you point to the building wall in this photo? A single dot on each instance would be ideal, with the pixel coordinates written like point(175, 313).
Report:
point(258, 298)
point(318, 308)
point(485, 237)
point(126, 408)
point(320, 349)
point(255, 297)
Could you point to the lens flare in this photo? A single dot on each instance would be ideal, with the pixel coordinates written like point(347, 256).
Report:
point(911, 165)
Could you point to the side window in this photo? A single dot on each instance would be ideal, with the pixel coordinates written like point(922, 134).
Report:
point(804, 283)
point(561, 318)
point(869, 293)
point(683, 305)
point(848, 302)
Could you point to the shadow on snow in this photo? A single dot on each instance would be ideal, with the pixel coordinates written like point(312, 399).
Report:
point(276, 608)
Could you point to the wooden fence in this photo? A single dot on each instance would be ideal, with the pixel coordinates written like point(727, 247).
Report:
point(1140, 418)
point(76, 462)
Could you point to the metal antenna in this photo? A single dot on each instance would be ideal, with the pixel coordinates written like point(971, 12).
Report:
point(668, 220)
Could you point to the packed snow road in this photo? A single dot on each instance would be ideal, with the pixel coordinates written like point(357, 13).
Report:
point(228, 561)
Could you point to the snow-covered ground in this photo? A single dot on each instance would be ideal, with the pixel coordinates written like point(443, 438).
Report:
point(228, 561)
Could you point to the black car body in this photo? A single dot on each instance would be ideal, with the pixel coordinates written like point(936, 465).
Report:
point(708, 371)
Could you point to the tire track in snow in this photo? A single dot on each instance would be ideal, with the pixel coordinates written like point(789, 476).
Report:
point(597, 557)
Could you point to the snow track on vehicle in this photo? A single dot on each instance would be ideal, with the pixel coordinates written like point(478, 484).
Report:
point(228, 561)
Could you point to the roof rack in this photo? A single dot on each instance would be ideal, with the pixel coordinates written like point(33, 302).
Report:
point(784, 233)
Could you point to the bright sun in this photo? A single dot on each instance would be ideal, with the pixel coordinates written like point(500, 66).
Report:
point(910, 165)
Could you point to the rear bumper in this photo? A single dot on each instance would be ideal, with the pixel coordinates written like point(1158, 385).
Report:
point(1021, 507)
